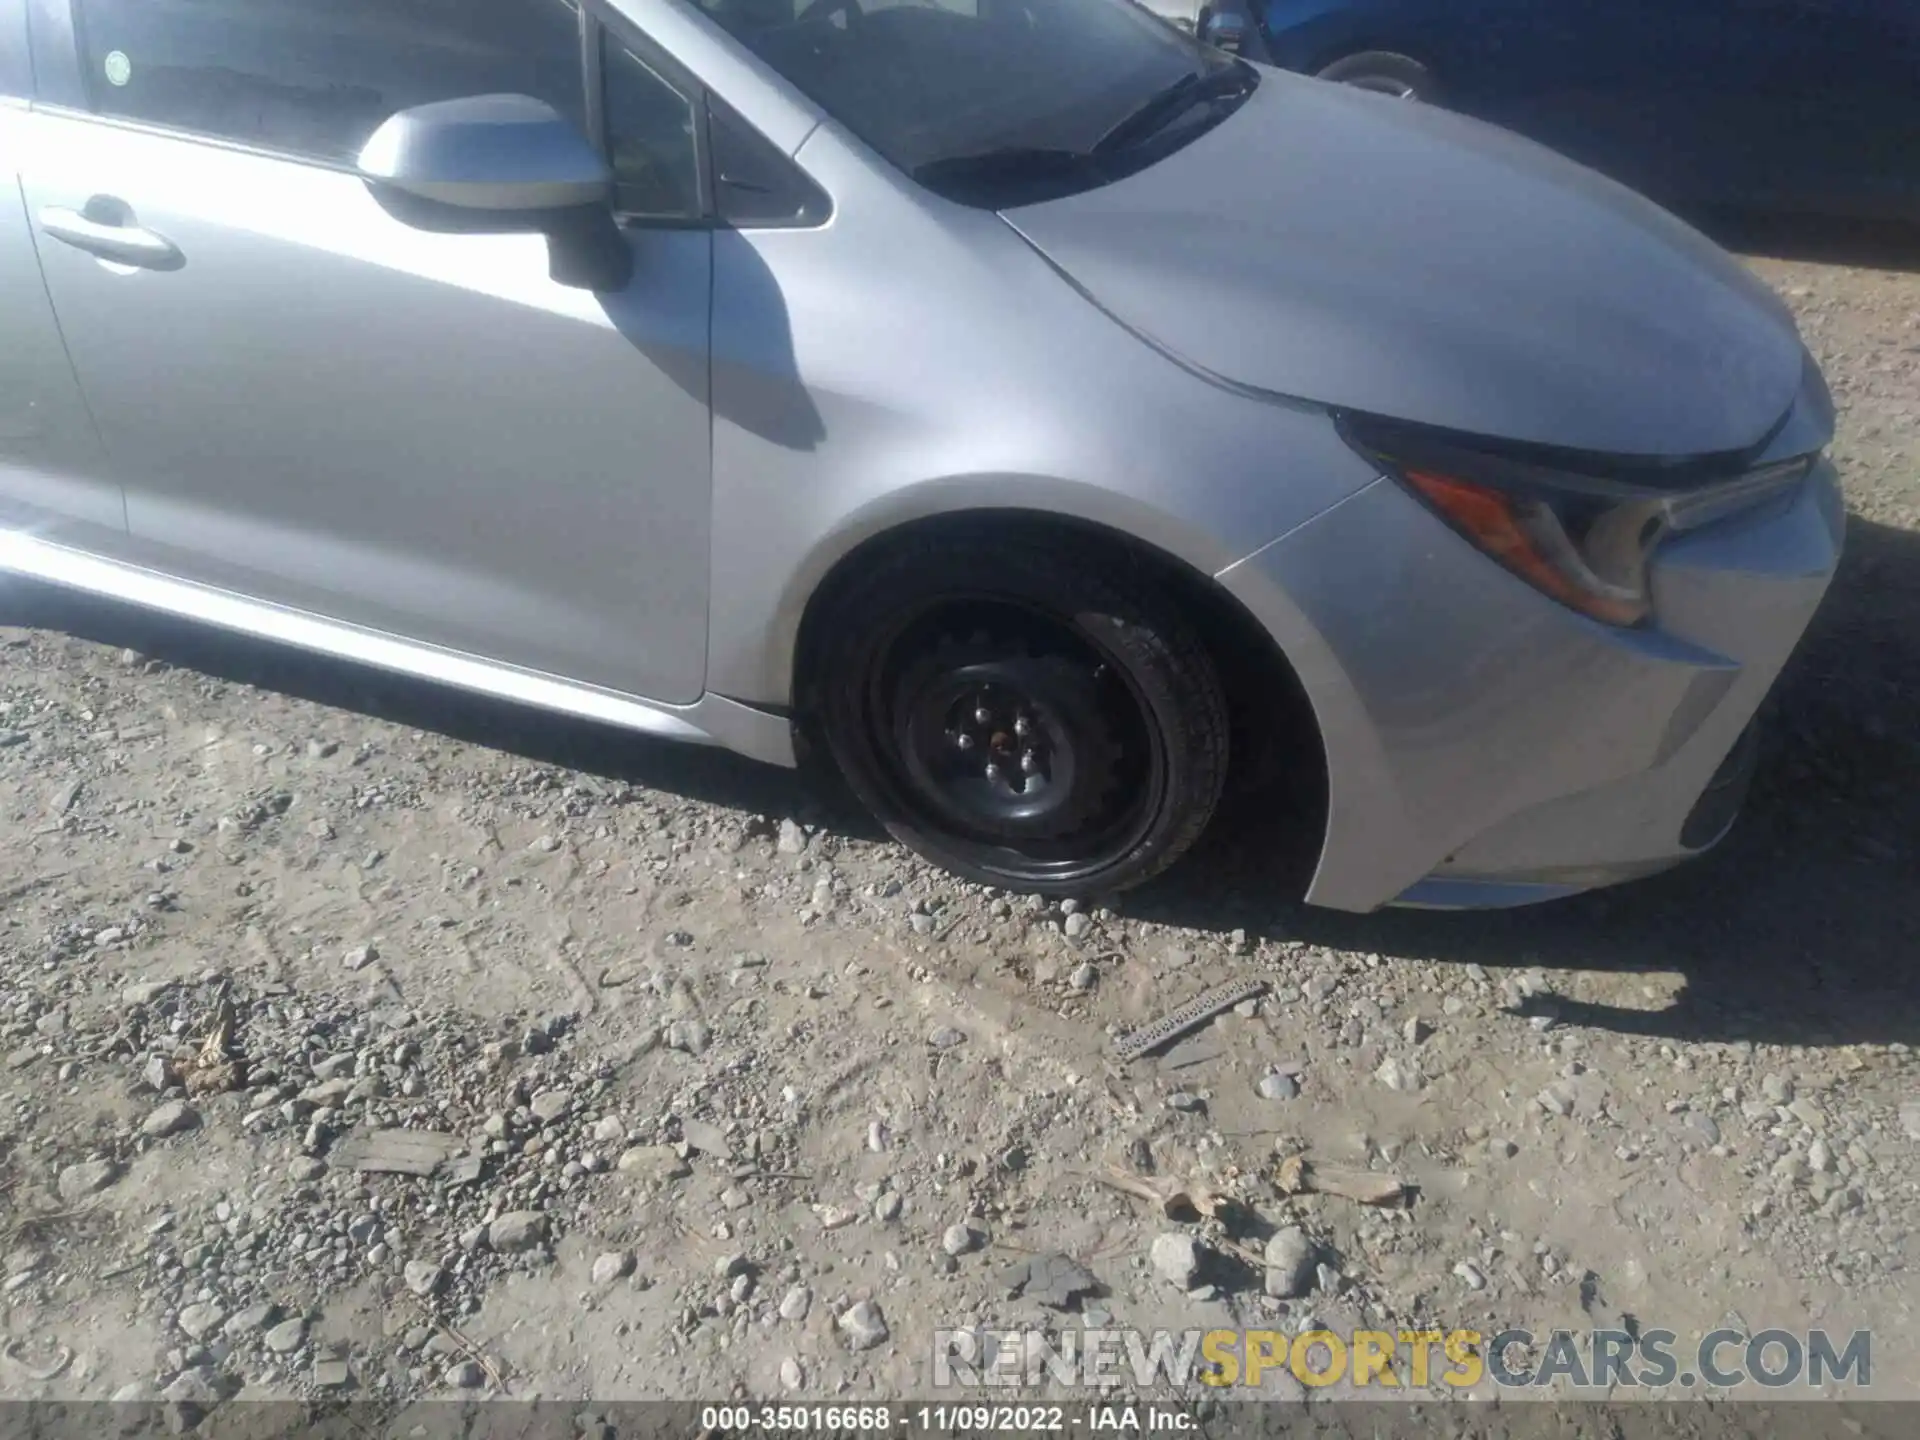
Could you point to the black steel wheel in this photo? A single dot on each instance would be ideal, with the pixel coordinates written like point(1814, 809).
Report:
point(1021, 714)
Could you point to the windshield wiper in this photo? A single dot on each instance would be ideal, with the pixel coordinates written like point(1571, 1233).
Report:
point(1007, 162)
point(1196, 87)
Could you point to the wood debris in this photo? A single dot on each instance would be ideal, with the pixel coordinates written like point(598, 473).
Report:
point(1175, 1199)
point(395, 1152)
point(213, 1069)
point(1297, 1175)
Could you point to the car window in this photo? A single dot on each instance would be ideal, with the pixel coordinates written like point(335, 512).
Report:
point(317, 77)
point(650, 139)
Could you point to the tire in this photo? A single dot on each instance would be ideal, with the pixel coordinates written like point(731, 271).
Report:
point(1383, 72)
point(1069, 664)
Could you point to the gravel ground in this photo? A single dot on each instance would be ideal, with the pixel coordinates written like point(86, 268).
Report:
point(739, 1099)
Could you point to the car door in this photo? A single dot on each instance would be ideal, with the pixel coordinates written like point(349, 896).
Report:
point(311, 403)
point(53, 476)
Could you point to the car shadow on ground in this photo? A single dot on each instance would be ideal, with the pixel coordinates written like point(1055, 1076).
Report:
point(1799, 929)
point(1822, 239)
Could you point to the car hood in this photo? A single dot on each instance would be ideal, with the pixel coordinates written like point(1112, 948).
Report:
point(1360, 252)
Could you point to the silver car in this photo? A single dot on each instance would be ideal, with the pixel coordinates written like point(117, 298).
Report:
point(1064, 421)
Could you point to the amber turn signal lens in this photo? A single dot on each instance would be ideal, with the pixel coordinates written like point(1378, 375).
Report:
point(1529, 539)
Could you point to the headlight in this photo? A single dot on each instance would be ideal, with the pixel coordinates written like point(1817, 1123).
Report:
point(1581, 537)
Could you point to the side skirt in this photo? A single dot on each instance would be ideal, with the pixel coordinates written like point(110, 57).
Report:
point(711, 720)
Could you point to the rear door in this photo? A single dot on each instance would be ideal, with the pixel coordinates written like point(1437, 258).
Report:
point(53, 480)
point(311, 403)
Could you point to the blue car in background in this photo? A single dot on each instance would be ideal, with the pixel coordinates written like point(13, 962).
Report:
point(1783, 105)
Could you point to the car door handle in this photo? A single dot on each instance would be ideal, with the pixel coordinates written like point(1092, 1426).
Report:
point(127, 244)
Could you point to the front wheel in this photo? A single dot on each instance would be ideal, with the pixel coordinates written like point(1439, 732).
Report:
point(1023, 713)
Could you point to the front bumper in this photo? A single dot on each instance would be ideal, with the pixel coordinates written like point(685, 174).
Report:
point(1486, 746)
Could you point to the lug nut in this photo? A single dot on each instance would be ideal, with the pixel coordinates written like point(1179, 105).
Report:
point(1023, 727)
point(983, 716)
point(1029, 763)
point(993, 771)
point(963, 740)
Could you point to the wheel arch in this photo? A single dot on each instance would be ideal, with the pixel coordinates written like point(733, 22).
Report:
point(1275, 728)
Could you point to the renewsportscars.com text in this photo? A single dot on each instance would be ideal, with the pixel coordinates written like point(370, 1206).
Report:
point(1390, 1360)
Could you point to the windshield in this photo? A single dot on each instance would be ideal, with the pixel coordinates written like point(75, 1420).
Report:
point(940, 86)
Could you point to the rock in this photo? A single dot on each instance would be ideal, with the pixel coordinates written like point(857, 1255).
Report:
point(612, 1266)
point(1704, 1126)
point(1555, 1101)
point(735, 1198)
point(286, 1337)
point(1820, 1157)
point(170, 1119)
point(89, 1177)
point(707, 1138)
point(1291, 1259)
point(833, 1217)
point(1910, 1119)
point(331, 1373)
point(145, 992)
point(878, 1137)
point(792, 839)
point(692, 1037)
point(466, 1375)
point(158, 1073)
point(791, 1376)
point(332, 1067)
point(1175, 1257)
point(1186, 1101)
point(886, 1207)
point(946, 1037)
point(1278, 1085)
point(423, 1277)
point(654, 1162)
point(863, 1325)
point(1416, 1030)
point(518, 1230)
point(248, 1321)
point(608, 1129)
point(358, 957)
point(1077, 925)
point(795, 1304)
point(1502, 1149)
point(550, 1105)
point(1470, 1275)
point(960, 1240)
point(1777, 1088)
point(1083, 977)
point(200, 1321)
point(1398, 1075)
point(195, 1386)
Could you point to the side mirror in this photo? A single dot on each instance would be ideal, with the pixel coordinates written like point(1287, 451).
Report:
point(502, 164)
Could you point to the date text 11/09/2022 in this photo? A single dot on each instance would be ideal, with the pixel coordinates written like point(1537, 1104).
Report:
point(945, 1419)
